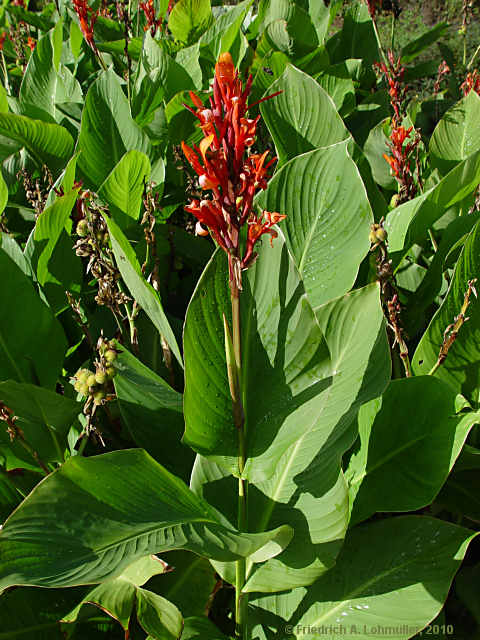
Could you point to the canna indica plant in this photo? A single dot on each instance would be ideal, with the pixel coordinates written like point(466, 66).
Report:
point(239, 391)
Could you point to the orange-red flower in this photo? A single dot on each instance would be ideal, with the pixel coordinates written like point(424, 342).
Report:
point(31, 43)
point(227, 168)
point(83, 10)
point(472, 81)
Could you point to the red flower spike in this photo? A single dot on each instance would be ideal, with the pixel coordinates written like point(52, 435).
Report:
point(226, 167)
point(31, 43)
point(153, 23)
point(472, 81)
point(82, 10)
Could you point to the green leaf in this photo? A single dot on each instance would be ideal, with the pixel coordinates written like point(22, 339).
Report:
point(414, 48)
point(337, 82)
point(328, 218)
point(107, 131)
point(3, 193)
point(48, 143)
point(303, 117)
point(123, 189)
point(410, 222)
point(142, 292)
point(394, 469)
point(93, 517)
point(461, 495)
point(120, 596)
point(460, 370)
point(45, 418)
point(197, 628)
point(281, 345)
point(159, 78)
point(221, 36)
point(456, 135)
point(26, 355)
point(189, 19)
point(393, 573)
point(48, 228)
point(152, 412)
point(294, 35)
point(307, 489)
point(39, 83)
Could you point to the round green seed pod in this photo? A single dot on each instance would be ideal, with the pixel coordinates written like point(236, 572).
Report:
point(91, 381)
point(100, 377)
point(381, 234)
point(98, 397)
point(372, 236)
point(111, 372)
point(78, 385)
point(110, 355)
point(82, 375)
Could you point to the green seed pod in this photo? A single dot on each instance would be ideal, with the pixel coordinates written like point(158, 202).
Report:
point(110, 355)
point(372, 236)
point(82, 375)
point(100, 377)
point(78, 385)
point(91, 381)
point(381, 234)
point(111, 372)
point(394, 201)
point(98, 397)
point(82, 228)
point(84, 389)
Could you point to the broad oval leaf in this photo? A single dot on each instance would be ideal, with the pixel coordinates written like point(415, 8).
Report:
point(108, 130)
point(140, 289)
point(410, 222)
point(123, 188)
point(328, 218)
point(394, 469)
point(303, 117)
point(393, 573)
point(282, 346)
point(460, 370)
point(189, 19)
point(307, 489)
point(93, 517)
point(47, 143)
point(456, 136)
point(27, 356)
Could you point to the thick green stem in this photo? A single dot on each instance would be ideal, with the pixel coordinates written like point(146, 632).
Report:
point(241, 598)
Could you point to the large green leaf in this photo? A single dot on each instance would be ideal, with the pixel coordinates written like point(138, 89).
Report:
point(222, 35)
point(93, 517)
point(199, 628)
point(26, 355)
point(152, 412)
point(456, 136)
point(48, 143)
point(460, 370)
point(189, 19)
point(158, 79)
point(119, 597)
point(282, 346)
point(39, 83)
point(108, 130)
point(123, 189)
point(460, 495)
point(328, 218)
point(45, 418)
point(410, 222)
point(307, 489)
point(415, 47)
point(394, 469)
point(303, 117)
point(140, 289)
point(49, 227)
point(391, 574)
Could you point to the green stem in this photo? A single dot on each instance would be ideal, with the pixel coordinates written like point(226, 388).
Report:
point(241, 598)
point(434, 369)
point(5, 73)
point(392, 32)
point(472, 60)
point(379, 42)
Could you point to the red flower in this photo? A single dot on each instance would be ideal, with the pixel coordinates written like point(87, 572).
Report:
point(31, 43)
point(472, 81)
point(226, 167)
point(153, 23)
point(82, 10)
point(2, 40)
